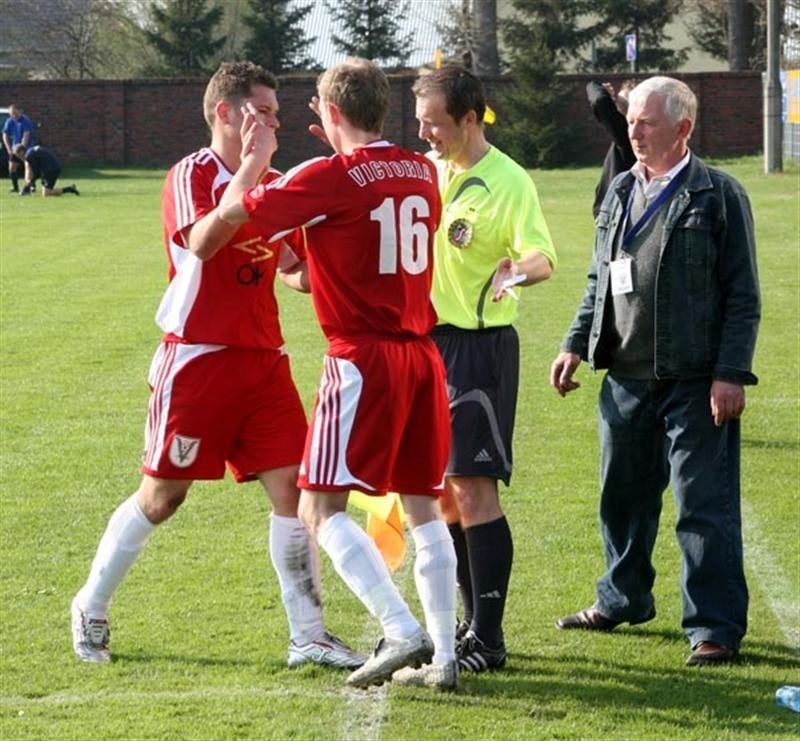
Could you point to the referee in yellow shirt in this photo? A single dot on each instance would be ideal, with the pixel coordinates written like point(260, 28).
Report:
point(492, 238)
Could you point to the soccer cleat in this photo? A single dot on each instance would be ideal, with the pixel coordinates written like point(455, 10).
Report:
point(71, 189)
point(327, 651)
point(90, 636)
point(462, 628)
point(438, 676)
point(475, 656)
point(391, 654)
point(26, 191)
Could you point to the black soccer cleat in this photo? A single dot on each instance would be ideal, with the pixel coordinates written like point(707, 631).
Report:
point(475, 656)
point(462, 628)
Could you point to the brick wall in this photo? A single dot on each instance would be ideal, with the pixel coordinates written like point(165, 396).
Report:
point(155, 122)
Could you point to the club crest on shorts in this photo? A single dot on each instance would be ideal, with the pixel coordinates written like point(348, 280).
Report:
point(183, 450)
point(459, 233)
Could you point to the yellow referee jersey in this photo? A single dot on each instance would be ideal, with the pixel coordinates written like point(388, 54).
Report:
point(489, 212)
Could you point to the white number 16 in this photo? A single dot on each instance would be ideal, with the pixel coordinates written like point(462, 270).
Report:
point(413, 234)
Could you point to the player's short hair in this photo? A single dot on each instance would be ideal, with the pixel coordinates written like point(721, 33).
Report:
point(679, 100)
point(462, 91)
point(360, 89)
point(233, 82)
point(19, 150)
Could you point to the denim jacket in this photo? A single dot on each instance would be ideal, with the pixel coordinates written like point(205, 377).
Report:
point(707, 300)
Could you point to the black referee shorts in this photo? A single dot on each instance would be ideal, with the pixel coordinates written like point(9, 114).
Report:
point(482, 381)
point(49, 178)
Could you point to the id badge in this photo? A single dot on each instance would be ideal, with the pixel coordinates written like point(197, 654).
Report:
point(621, 277)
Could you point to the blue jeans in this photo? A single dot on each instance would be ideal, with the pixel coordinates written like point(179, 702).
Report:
point(651, 432)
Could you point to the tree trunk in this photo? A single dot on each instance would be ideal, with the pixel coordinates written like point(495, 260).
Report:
point(486, 61)
point(740, 34)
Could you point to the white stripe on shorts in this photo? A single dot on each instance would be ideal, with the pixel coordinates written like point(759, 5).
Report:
point(332, 425)
point(170, 358)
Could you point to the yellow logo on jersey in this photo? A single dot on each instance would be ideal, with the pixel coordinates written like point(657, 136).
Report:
point(256, 246)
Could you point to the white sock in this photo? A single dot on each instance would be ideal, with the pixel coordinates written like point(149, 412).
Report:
point(126, 535)
point(296, 561)
point(435, 576)
point(358, 561)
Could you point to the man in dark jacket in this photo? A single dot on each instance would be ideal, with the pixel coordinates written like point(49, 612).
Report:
point(671, 309)
point(40, 162)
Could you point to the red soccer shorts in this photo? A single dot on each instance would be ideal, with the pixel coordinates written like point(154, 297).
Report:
point(213, 406)
point(381, 419)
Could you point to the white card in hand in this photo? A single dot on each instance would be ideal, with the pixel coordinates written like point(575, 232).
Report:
point(514, 279)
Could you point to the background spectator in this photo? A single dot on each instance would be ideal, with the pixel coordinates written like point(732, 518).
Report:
point(17, 130)
point(610, 108)
point(40, 162)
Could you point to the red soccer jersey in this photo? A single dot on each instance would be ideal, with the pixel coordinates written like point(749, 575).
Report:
point(371, 216)
point(229, 299)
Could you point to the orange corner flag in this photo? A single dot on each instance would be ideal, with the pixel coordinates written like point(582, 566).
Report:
point(385, 519)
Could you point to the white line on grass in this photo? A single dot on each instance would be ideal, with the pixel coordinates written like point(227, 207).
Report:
point(365, 713)
point(772, 581)
point(365, 710)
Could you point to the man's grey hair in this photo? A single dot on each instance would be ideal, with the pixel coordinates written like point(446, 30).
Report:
point(679, 101)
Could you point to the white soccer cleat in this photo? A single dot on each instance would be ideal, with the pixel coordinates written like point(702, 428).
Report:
point(437, 676)
point(389, 656)
point(90, 636)
point(327, 651)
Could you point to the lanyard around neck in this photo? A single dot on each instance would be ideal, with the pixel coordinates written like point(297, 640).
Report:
point(631, 230)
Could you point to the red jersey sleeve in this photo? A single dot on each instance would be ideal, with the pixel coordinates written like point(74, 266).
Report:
point(277, 208)
point(188, 195)
point(293, 249)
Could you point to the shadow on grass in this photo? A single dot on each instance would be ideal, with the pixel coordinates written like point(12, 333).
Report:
point(699, 700)
point(771, 444)
point(149, 657)
point(271, 665)
point(99, 172)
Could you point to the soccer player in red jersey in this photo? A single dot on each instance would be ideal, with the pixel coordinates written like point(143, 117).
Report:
point(381, 418)
point(222, 393)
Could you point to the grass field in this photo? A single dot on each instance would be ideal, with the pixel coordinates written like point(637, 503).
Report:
point(198, 631)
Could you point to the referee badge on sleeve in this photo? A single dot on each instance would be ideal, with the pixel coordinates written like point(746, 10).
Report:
point(459, 233)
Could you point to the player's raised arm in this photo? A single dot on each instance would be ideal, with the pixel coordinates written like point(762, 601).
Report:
point(259, 143)
point(293, 269)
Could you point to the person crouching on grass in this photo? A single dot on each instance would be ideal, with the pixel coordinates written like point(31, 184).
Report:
point(41, 163)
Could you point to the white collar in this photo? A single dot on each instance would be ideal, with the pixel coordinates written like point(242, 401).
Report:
point(657, 183)
point(375, 143)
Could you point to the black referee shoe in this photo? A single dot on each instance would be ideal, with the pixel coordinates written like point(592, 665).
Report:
point(462, 628)
point(475, 656)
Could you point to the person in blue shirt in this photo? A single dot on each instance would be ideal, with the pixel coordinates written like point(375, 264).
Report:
point(40, 162)
point(17, 130)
